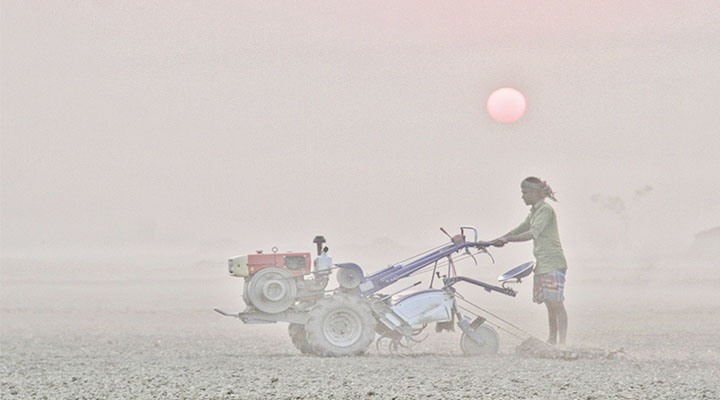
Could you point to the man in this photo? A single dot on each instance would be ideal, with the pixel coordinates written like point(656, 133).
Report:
point(541, 227)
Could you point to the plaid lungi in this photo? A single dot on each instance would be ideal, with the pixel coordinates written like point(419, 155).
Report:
point(549, 286)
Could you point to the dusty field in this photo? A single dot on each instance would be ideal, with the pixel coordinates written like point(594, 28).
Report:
point(109, 332)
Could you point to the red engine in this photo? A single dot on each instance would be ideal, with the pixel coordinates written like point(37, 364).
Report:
point(274, 282)
point(294, 263)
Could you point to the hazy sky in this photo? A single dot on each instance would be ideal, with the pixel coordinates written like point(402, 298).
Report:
point(220, 127)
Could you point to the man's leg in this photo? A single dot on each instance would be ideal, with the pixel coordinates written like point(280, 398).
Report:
point(558, 310)
point(552, 322)
point(562, 321)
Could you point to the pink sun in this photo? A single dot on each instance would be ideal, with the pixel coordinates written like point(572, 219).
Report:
point(506, 104)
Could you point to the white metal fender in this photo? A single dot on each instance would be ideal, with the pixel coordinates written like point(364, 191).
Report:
point(432, 305)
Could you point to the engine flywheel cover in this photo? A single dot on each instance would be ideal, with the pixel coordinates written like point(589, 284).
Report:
point(271, 290)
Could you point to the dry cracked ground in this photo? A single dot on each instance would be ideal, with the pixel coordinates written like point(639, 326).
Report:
point(107, 331)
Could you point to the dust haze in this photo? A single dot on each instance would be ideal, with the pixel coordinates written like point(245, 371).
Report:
point(143, 144)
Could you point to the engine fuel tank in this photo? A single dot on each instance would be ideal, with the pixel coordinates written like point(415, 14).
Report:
point(246, 265)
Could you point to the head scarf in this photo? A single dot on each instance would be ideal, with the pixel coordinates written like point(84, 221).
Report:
point(537, 184)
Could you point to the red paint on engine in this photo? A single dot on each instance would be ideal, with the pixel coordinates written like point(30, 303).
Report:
point(291, 262)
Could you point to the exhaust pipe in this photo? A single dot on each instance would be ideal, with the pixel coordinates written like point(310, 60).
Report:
point(319, 240)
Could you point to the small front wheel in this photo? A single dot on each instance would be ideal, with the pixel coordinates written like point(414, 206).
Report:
point(484, 341)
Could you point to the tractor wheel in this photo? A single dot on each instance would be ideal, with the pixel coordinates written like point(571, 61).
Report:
point(340, 326)
point(485, 341)
point(299, 339)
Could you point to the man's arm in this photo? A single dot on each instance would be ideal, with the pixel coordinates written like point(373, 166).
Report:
point(509, 237)
point(527, 231)
point(520, 231)
point(520, 237)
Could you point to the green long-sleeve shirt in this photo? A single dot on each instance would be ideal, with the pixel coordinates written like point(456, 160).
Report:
point(547, 249)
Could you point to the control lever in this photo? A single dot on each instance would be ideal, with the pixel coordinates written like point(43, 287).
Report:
point(467, 251)
point(445, 232)
point(484, 250)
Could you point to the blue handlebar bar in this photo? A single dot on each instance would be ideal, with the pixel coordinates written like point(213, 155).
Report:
point(391, 274)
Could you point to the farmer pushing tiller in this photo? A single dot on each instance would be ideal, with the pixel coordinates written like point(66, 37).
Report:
point(281, 287)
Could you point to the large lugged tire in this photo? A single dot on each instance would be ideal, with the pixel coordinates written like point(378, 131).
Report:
point(299, 339)
point(340, 326)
